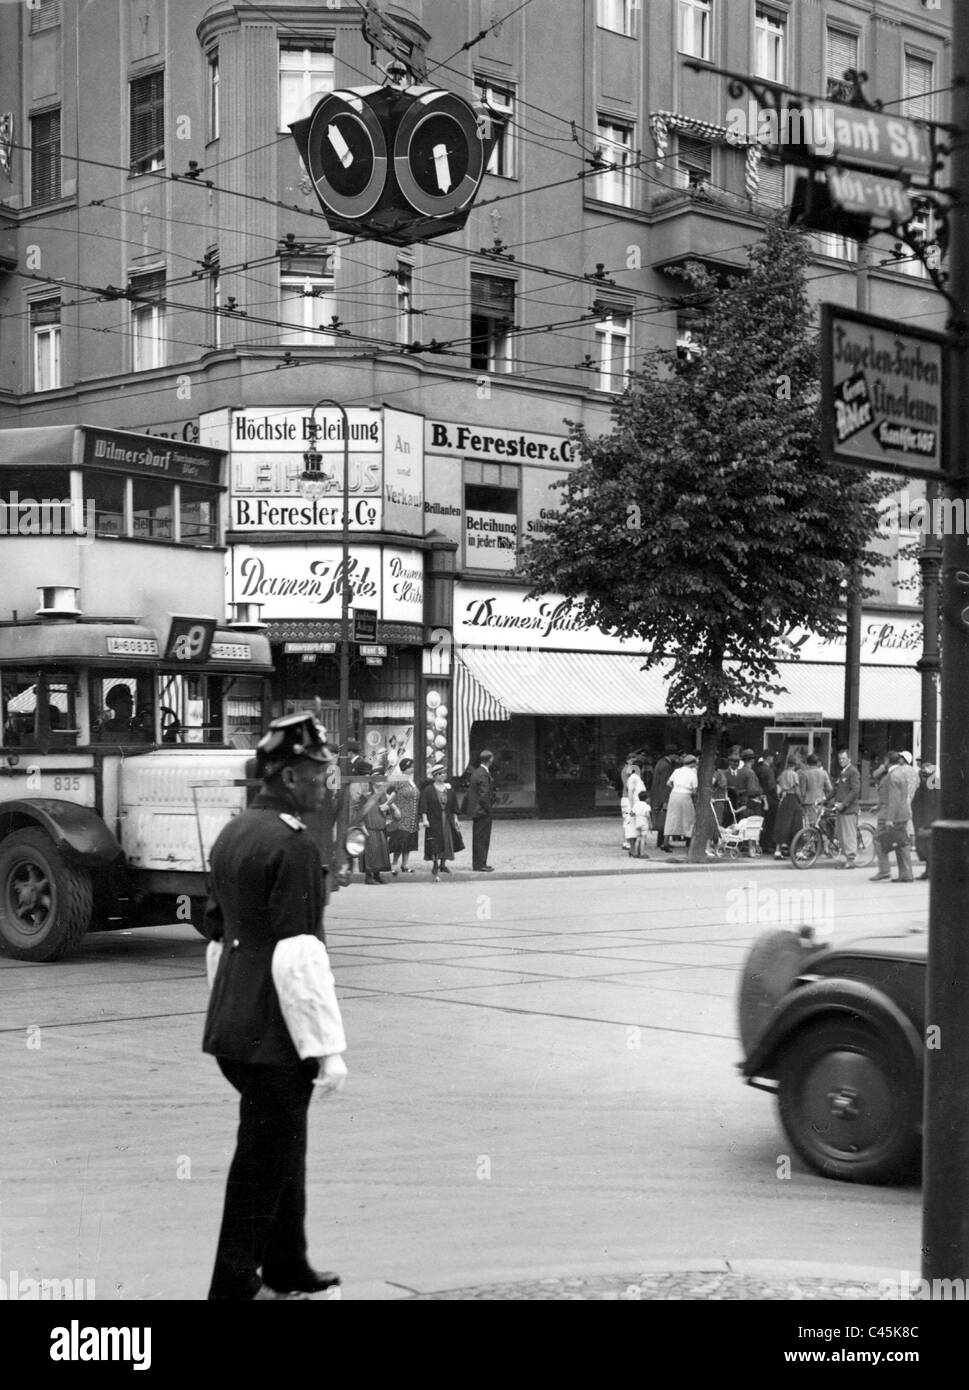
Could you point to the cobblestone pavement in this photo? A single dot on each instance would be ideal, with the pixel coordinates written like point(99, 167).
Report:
point(714, 1284)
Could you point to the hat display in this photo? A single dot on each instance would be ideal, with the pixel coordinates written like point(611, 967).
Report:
point(288, 738)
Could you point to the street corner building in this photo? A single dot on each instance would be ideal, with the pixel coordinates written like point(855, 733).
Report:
point(180, 326)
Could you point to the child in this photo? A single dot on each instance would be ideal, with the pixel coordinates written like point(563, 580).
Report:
point(642, 822)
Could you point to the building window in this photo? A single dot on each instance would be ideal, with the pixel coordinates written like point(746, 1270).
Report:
point(147, 131)
point(771, 181)
point(837, 248)
point(107, 491)
point(841, 56)
point(501, 101)
point(694, 162)
point(492, 319)
point(197, 510)
point(614, 345)
point(770, 31)
point(45, 336)
point(695, 24)
point(618, 15)
point(45, 157)
point(922, 227)
point(615, 148)
point(491, 518)
point(147, 292)
point(152, 509)
point(305, 74)
point(405, 299)
point(215, 109)
point(306, 305)
point(917, 88)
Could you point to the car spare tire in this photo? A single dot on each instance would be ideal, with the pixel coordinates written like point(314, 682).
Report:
point(772, 964)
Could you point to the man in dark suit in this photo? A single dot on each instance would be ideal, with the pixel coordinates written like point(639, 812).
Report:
point(273, 1021)
point(479, 803)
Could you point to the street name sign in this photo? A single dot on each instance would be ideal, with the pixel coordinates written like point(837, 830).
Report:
point(883, 394)
point(863, 139)
point(365, 625)
point(872, 195)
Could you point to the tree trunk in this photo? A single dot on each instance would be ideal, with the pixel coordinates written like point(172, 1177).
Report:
point(704, 831)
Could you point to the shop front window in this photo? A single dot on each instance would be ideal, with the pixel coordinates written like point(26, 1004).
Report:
point(197, 514)
point(152, 509)
point(107, 492)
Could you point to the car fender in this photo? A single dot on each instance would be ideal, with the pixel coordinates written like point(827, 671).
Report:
point(79, 834)
point(823, 997)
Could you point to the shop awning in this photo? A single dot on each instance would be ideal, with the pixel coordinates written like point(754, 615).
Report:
point(495, 684)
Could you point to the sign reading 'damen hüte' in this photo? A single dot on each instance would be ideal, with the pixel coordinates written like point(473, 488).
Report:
point(882, 394)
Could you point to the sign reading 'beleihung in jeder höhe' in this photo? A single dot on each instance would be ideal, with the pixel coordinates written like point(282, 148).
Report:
point(882, 394)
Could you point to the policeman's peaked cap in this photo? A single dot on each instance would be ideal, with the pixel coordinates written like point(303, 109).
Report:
point(287, 739)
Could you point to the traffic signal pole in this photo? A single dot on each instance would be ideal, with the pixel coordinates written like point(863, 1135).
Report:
point(945, 1221)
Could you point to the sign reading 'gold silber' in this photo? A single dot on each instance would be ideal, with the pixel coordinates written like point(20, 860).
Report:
point(395, 166)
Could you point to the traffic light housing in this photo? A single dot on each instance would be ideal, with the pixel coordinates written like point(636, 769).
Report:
point(395, 165)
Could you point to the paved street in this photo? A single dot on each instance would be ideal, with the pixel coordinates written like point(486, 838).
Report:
point(542, 1101)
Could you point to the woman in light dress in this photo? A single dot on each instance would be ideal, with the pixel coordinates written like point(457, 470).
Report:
point(630, 797)
point(681, 812)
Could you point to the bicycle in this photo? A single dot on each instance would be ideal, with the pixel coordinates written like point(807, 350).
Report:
point(811, 841)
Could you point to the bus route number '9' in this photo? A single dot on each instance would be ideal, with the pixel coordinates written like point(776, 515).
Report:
point(190, 645)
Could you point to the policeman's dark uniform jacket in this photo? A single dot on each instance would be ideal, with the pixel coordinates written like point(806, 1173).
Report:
point(272, 1017)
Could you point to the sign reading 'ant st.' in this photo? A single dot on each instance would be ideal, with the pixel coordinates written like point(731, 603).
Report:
point(882, 393)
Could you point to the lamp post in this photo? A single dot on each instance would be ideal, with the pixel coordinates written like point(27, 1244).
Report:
point(314, 483)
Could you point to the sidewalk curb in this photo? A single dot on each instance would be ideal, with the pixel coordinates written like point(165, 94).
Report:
point(660, 867)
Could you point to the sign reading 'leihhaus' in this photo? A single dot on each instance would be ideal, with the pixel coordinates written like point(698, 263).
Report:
point(882, 394)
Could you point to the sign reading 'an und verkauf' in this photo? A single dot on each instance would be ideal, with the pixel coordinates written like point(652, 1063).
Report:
point(882, 394)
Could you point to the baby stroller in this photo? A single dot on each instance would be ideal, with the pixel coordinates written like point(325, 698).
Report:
point(736, 836)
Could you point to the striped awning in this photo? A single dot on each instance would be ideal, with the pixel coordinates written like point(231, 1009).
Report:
point(470, 701)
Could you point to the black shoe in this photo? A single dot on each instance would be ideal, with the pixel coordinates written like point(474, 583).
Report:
point(483, 869)
point(445, 870)
point(312, 1282)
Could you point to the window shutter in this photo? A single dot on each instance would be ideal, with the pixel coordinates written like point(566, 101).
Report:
point(918, 83)
point(493, 296)
point(44, 312)
point(147, 121)
point(842, 54)
point(149, 287)
point(45, 157)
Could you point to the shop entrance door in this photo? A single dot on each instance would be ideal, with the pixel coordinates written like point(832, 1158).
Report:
point(809, 740)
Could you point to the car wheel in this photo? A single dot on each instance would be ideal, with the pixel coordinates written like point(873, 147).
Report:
point(805, 848)
point(45, 904)
point(849, 1102)
point(771, 966)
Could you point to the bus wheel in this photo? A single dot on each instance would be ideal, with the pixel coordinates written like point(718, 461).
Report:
point(45, 904)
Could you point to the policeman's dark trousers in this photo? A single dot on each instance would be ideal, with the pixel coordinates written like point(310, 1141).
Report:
point(480, 841)
point(263, 1221)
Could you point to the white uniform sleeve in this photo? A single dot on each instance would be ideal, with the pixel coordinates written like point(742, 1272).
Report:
point(213, 954)
point(307, 996)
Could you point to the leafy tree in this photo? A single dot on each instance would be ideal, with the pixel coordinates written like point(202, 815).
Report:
point(707, 524)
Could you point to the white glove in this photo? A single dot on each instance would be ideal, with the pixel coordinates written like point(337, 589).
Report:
point(333, 1073)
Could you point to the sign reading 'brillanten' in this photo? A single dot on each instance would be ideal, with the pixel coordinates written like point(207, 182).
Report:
point(882, 394)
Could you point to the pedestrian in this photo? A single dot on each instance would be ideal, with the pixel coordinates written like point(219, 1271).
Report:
point(273, 1021)
point(846, 795)
point(912, 774)
point(478, 806)
point(789, 818)
point(815, 788)
point(403, 840)
point(767, 778)
point(375, 816)
point(438, 811)
point(634, 785)
point(926, 808)
point(681, 810)
point(659, 795)
point(894, 814)
point(642, 823)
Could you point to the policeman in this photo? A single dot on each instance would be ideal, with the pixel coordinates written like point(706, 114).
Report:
point(273, 1021)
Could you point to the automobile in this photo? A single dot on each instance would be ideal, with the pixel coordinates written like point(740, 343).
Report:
point(836, 1033)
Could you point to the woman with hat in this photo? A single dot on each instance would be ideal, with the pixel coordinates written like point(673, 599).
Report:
point(681, 811)
point(438, 810)
point(402, 840)
point(374, 817)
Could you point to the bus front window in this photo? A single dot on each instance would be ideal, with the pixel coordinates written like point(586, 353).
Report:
point(122, 709)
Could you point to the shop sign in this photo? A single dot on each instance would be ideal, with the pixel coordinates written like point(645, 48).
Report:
point(886, 640)
point(882, 394)
point(496, 445)
point(492, 616)
point(490, 540)
point(160, 458)
point(269, 429)
point(307, 581)
point(403, 482)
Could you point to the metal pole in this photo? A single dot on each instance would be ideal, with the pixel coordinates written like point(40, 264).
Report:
point(945, 1219)
point(930, 557)
point(853, 613)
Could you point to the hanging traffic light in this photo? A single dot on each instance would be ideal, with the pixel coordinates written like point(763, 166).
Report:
point(395, 165)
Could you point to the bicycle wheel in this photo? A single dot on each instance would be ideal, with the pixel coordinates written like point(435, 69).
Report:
point(805, 847)
point(866, 846)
